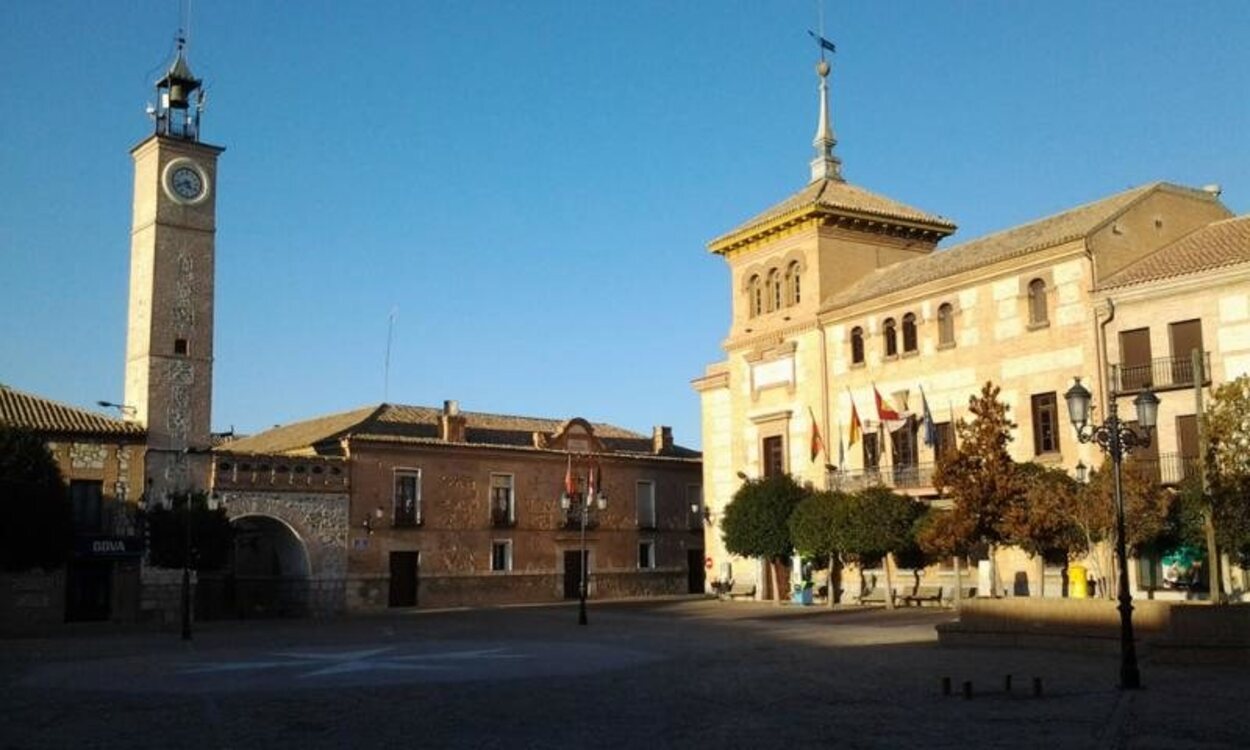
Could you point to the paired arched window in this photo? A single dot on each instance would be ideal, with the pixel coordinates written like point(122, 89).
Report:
point(793, 292)
point(755, 296)
point(857, 346)
point(946, 325)
point(909, 333)
point(774, 290)
point(1037, 303)
point(890, 336)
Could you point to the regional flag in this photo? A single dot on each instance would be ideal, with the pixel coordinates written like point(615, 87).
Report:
point(857, 428)
point(570, 485)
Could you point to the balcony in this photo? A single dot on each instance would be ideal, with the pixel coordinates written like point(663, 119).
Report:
point(1161, 374)
point(907, 477)
point(1166, 469)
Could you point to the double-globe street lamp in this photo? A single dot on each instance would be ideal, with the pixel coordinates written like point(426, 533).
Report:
point(1117, 440)
point(569, 498)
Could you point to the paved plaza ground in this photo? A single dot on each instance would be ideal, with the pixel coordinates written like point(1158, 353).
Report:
point(692, 673)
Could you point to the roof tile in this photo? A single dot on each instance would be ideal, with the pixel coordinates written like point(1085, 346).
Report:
point(45, 416)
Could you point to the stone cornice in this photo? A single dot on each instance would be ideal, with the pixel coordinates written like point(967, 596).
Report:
point(814, 216)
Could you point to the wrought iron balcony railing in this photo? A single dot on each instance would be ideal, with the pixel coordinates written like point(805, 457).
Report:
point(908, 476)
point(1159, 374)
point(1166, 469)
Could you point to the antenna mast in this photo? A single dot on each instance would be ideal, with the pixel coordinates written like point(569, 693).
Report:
point(386, 365)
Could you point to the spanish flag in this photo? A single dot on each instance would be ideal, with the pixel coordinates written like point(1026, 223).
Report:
point(818, 444)
point(570, 484)
point(857, 429)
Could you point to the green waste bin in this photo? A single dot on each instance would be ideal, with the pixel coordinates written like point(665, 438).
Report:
point(1078, 587)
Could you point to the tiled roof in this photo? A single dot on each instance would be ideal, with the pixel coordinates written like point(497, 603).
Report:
point(834, 195)
point(54, 418)
point(1072, 224)
point(1217, 245)
point(409, 424)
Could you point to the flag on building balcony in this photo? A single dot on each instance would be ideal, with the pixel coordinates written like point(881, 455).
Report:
point(570, 486)
point(841, 448)
point(591, 484)
point(857, 428)
point(884, 414)
point(930, 429)
point(818, 443)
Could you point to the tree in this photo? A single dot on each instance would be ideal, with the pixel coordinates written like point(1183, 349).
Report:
point(979, 475)
point(207, 534)
point(1146, 509)
point(812, 529)
point(882, 523)
point(1227, 421)
point(1042, 522)
point(756, 521)
point(36, 523)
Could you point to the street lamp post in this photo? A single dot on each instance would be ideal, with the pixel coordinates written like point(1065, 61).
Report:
point(584, 501)
point(1117, 440)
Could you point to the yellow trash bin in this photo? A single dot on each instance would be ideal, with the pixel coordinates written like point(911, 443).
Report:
point(1078, 588)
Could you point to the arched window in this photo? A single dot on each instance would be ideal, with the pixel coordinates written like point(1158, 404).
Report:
point(909, 333)
point(793, 292)
point(1037, 302)
point(946, 325)
point(774, 290)
point(755, 297)
point(857, 346)
point(891, 339)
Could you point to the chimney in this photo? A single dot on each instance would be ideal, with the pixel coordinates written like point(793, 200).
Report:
point(451, 423)
point(661, 439)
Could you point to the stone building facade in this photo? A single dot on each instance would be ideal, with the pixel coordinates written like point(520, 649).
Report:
point(839, 294)
point(450, 508)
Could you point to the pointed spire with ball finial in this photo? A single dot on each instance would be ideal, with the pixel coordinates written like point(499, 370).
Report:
point(825, 166)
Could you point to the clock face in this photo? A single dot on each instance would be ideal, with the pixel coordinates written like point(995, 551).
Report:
point(185, 181)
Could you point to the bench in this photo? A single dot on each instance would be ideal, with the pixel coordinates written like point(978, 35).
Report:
point(736, 590)
point(877, 596)
point(921, 595)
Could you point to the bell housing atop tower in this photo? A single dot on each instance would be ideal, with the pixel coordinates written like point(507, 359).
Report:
point(174, 113)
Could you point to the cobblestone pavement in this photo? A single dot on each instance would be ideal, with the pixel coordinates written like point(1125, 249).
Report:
point(641, 675)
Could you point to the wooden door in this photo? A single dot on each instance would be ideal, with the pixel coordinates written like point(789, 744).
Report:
point(695, 571)
point(1135, 359)
point(405, 576)
point(1187, 443)
point(573, 573)
point(1186, 337)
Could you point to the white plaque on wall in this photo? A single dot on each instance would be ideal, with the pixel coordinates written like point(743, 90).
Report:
point(772, 373)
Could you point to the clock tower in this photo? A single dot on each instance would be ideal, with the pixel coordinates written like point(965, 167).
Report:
point(169, 340)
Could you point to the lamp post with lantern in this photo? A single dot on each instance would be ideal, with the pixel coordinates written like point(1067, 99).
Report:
point(1117, 440)
point(583, 501)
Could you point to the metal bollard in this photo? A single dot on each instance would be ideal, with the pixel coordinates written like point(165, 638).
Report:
point(1037, 687)
point(968, 690)
point(946, 686)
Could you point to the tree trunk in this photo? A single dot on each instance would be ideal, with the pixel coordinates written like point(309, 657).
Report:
point(1041, 577)
point(772, 566)
point(888, 563)
point(834, 578)
point(959, 584)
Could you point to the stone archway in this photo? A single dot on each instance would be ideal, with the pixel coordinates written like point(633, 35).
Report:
point(269, 569)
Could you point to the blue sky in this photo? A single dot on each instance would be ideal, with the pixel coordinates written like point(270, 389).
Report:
point(532, 184)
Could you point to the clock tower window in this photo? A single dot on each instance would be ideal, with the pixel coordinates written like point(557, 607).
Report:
point(180, 347)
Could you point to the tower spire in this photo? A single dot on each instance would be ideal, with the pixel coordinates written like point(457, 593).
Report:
point(825, 166)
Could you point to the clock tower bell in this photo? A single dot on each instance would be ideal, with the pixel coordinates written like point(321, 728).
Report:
point(169, 341)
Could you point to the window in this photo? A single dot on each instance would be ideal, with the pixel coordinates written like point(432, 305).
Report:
point(891, 340)
point(872, 454)
point(1037, 303)
point(774, 290)
point(857, 346)
point(944, 445)
point(946, 325)
point(1045, 423)
point(903, 445)
point(755, 296)
point(180, 347)
point(793, 292)
point(1187, 442)
point(644, 500)
point(86, 502)
point(501, 555)
point(774, 457)
point(407, 511)
point(502, 500)
point(694, 502)
point(909, 333)
point(646, 555)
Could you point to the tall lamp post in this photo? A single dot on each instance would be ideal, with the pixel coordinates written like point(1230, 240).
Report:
point(1117, 440)
point(583, 501)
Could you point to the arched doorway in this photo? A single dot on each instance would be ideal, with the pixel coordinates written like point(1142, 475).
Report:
point(267, 575)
